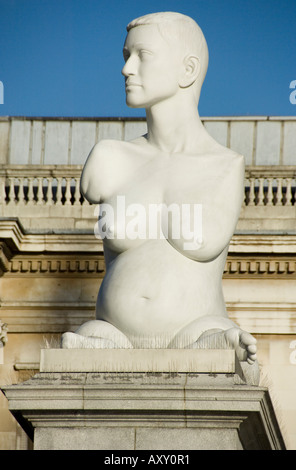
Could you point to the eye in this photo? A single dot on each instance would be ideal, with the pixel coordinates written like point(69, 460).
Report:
point(126, 54)
point(144, 54)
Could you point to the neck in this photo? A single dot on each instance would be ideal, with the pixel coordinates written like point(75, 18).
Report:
point(174, 125)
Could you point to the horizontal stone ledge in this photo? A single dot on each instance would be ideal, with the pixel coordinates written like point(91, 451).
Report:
point(26, 366)
point(142, 118)
point(212, 361)
point(73, 118)
point(19, 239)
point(131, 411)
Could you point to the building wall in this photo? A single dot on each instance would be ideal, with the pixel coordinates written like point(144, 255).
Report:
point(51, 263)
point(42, 141)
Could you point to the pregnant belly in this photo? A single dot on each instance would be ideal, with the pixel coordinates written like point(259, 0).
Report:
point(153, 291)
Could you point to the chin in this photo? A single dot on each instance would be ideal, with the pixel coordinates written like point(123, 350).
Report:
point(134, 105)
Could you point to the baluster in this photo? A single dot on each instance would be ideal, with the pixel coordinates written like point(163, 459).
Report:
point(2, 191)
point(279, 195)
point(269, 192)
point(12, 199)
point(289, 195)
point(76, 192)
point(59, 192)
point(252, 192)
point(21, 193)
point(68, 194)
point(30, 194)
point(49, 191)
point(15, 189)
point(10, 191)
point(39, 191)
point(261, 192)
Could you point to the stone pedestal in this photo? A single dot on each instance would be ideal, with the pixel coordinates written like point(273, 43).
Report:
point(143, 400)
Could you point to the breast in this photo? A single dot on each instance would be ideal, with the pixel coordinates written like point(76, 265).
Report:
point(131, 215)
point(209, 190)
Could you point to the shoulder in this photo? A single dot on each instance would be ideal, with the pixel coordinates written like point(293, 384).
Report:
point(230, 161)
point(116, 146)
point(235, 159)
point(106, 145)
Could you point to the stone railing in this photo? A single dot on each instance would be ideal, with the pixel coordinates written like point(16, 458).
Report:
point(270, 186)
point(48, 197)
point(60, 186)
point(45, 186)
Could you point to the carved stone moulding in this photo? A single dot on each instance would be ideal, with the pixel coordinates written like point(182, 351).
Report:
point(86, 264)
point(260, 266)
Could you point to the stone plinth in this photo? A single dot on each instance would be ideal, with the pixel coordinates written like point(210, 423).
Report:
point(208, 405)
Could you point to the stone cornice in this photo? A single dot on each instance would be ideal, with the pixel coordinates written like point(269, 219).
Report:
point(79, 252)
point(19, 240)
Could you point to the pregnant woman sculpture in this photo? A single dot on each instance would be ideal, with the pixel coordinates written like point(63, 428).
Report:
point(161, 291)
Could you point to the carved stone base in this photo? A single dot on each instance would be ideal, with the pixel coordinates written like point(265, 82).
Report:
point(145, 410)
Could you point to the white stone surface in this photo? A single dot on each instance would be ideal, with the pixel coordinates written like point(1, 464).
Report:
point(37, 143)
point(4, 141)
point(235, 132)
point(56, 143)
point(132, 130)
point(19, 142)
point(242, 139)
point(82, 141)
point(137, 360)
point(268, 143)
point(218, 130)
point(177, 163)
point(289, 143)
point(110, 130)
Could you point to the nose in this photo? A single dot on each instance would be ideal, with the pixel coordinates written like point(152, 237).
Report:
point(130, 67)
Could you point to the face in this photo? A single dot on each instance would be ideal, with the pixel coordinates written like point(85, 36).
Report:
point(151, 68)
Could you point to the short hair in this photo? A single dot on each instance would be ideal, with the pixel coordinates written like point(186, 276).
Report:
point(181, 28)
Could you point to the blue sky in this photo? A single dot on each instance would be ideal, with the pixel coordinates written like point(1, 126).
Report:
point(64, 57)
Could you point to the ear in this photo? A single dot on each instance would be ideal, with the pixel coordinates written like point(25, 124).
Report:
point(191, 70)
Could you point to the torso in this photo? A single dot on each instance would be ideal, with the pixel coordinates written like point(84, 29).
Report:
point(152, 284)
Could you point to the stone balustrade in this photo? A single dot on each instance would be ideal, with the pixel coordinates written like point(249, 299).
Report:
point(41, 185)
point(60, 186)
point(270, 186)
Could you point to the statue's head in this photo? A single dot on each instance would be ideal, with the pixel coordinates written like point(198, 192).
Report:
point(178, 42)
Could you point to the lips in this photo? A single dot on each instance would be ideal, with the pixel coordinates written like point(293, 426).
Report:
point(131, 84)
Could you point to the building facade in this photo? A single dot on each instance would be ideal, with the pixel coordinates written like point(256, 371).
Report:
point(52, 264)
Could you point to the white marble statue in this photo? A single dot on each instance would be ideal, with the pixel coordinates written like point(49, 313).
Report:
point(165, 290)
